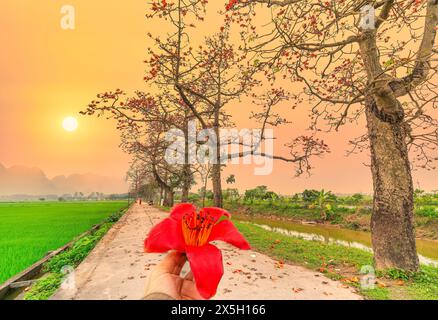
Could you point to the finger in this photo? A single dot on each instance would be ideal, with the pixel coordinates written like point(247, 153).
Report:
point(190, 292)
point(172, 263)
point(189, 276)
point(180, 264)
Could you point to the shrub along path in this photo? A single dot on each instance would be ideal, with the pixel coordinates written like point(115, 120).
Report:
point(117, 268)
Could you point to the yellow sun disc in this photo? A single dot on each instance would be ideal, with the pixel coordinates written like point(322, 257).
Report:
point(70, 124)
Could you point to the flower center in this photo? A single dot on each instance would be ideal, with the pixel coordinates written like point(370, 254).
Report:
point(196, 228)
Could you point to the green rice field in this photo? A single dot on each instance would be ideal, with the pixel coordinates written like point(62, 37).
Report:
point(28, 230)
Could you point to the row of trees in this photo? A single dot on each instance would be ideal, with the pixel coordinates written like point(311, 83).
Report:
point(349, 58)
point(192, 81)
point(308, 196)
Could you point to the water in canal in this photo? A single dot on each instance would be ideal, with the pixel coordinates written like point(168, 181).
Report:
point(427, 249)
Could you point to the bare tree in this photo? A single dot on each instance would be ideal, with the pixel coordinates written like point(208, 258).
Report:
point(193, 84)
point(135, 177)
point(143, 121)
point(208, 78)
point(204, 79)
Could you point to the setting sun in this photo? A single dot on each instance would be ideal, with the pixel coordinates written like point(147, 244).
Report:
point(70, 124)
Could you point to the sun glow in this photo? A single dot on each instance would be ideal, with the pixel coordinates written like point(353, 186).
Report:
point(70, 124)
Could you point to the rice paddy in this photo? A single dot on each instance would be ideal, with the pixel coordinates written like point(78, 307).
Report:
point(29, 230)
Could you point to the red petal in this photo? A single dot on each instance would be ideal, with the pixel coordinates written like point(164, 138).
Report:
point(165, 236)
point(227, 232)
point(180, 209)
point(217, 213)
point(207, 268)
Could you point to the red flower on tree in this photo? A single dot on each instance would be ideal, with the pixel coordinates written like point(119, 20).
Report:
point(231, 4)
point(191, 232)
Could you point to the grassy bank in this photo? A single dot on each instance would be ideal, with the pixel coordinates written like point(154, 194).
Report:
point(44, 288)
point(353, 217)
point(343, 264)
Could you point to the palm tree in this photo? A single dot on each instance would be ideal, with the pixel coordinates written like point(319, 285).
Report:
point(322, 203)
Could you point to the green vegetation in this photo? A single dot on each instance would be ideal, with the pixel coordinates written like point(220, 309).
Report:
point(344, 264)
point(44, 288)
point(427, 211)
point(350, 212)
point(30, 230)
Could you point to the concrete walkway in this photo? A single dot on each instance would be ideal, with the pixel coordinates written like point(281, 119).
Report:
point(117, 269)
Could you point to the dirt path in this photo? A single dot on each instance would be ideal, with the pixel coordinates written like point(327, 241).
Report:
point(117, 269)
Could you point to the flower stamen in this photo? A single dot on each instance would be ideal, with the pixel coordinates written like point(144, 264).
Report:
point(196, 228)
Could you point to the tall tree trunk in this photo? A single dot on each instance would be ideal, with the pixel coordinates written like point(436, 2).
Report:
point(216, 168)
point(217, 184)
point(187, 173)
point(168, 190)
point(187, 181)
point(168, 197)
point(161, 194)
point(392, 226)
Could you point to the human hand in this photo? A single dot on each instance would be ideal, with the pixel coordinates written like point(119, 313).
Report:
point(165, 279)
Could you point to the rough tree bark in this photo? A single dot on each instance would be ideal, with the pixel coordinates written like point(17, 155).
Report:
point(217, 184)
point(187, 171)
point(168, 197)
point(168, 190)
point(187, 179)
point(392, 226)
point(216, 175)
point(161, 194)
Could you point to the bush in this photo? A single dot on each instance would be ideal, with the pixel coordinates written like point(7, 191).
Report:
point(114, 217)
point(427, 211)
point(194, 197)
point(398, 274)
point(333, 216)
point(356, 198)
point(45, 288)
point(230, 194)
point(310, 195)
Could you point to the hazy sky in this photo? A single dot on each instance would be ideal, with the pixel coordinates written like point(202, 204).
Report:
point(48, 73)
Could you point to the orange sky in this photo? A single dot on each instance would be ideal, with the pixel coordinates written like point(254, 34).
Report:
point(48, 73)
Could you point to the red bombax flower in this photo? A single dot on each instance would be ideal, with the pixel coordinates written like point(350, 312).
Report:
point(231, 4)
point(191, 232)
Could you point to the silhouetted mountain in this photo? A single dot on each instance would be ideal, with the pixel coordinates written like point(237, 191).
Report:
point(33, 181)
point(89, 182)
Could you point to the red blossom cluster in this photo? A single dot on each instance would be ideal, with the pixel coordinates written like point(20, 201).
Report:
point(231, 4)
